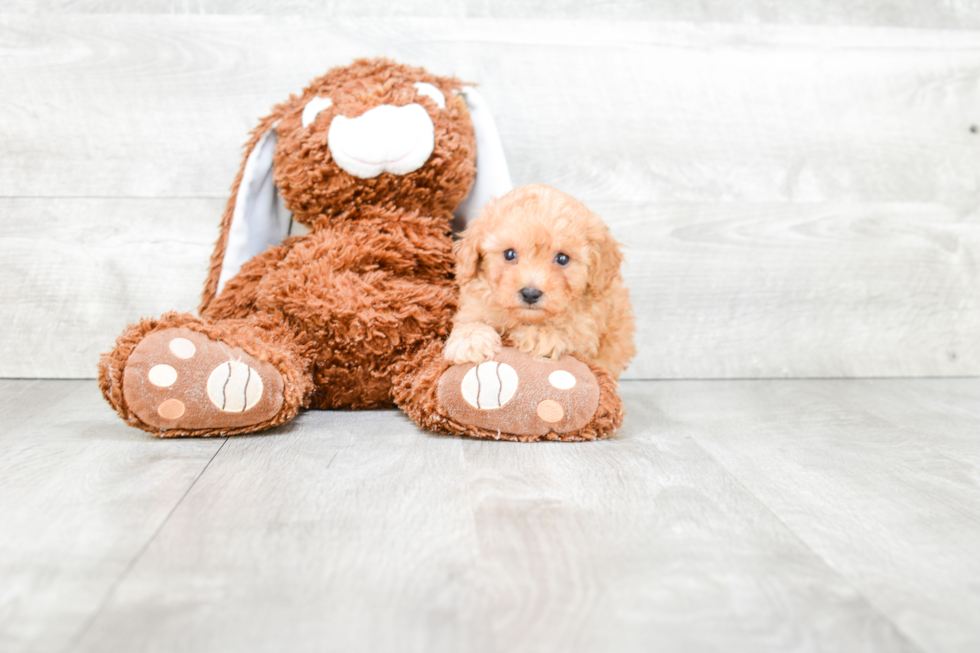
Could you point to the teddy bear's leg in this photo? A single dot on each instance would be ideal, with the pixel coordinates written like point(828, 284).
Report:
point(514, 397)
point(181, 375)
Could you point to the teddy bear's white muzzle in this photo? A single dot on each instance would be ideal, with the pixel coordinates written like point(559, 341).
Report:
point(391, 139)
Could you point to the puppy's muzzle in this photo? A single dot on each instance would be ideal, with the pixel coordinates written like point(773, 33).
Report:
point(530, 295)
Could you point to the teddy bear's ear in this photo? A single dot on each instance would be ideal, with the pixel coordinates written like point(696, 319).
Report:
point(259, 218)
point(492, 175)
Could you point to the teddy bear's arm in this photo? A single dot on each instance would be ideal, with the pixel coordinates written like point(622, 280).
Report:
point(238, 297)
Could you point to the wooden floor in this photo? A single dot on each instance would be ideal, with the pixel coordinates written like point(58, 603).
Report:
point(823, 515)
point(797, 183)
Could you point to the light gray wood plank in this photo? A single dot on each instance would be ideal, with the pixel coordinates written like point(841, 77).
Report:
point(645, 543)
point(720, 290)
point(790, 290)
point(80, 495)
point(357, 532)
point(611, 110)
point(766, 208)
point(342, 532)
point(76, 271)
point(952, 406)
point(942, 13)
point(879, 478)
point(12, 394)
point(812, 515)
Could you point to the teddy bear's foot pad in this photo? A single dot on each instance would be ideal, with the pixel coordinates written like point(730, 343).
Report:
point(521, 395)
point(181, 379)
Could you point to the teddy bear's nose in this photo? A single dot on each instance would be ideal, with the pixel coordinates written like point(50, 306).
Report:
point(387, 138)
point(530, 295)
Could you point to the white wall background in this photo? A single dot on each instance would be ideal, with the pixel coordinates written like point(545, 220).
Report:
point(798, 182)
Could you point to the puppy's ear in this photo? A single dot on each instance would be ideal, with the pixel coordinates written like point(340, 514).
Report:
point(467, 251)
point(607, 258)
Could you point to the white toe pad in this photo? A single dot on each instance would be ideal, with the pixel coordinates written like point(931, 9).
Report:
point(489, 385)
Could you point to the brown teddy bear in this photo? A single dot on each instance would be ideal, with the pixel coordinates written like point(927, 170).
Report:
point(331, 285)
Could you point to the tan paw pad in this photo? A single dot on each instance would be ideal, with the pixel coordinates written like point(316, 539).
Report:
point(550, 411)
point(178, 378)
point(171, 409)
point(521, 395)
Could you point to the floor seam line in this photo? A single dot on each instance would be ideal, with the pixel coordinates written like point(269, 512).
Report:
point(139, 554)
point(478, 571)
point(796, 536)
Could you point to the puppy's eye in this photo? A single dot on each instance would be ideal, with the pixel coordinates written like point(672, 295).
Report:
point(562, 259)
point(510, 255)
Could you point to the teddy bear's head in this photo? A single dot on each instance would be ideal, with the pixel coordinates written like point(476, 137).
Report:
point(374, 133)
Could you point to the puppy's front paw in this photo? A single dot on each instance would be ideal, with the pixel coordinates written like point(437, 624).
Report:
point(473, 342)
point(542, 342)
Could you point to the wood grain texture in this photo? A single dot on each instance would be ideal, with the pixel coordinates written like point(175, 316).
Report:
point(354, 532)
point(799, 201)
point(828, 515)
point(683, 559)
point(950, 14)
point(80, 495)
point(879, 478)
point(720, 290)
point(339, 532)
point(791, 290)
point(610, 110)
point(76, 271)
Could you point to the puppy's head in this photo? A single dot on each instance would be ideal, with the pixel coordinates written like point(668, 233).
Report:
point(539, 252)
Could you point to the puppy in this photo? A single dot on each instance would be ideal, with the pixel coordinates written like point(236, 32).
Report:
point(540, 272)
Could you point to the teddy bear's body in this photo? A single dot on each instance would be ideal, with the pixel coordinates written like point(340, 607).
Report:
point(357, 295)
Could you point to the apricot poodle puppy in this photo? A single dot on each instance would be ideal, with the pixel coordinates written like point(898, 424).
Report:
point(540, 272)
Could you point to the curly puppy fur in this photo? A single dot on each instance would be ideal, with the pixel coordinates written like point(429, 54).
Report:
point(541, 272)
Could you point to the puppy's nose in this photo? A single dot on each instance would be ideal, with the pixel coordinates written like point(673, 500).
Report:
point(530, 295)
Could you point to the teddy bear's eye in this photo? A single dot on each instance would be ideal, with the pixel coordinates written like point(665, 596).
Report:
point(510, 255)
point(431, 92)
point(562, 259)
point(313, 109)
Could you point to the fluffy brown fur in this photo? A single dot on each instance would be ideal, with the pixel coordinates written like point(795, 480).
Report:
point(560, 249)
point(262, 337)
point(321, 194)
point(369, 286)
point(353, 314)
